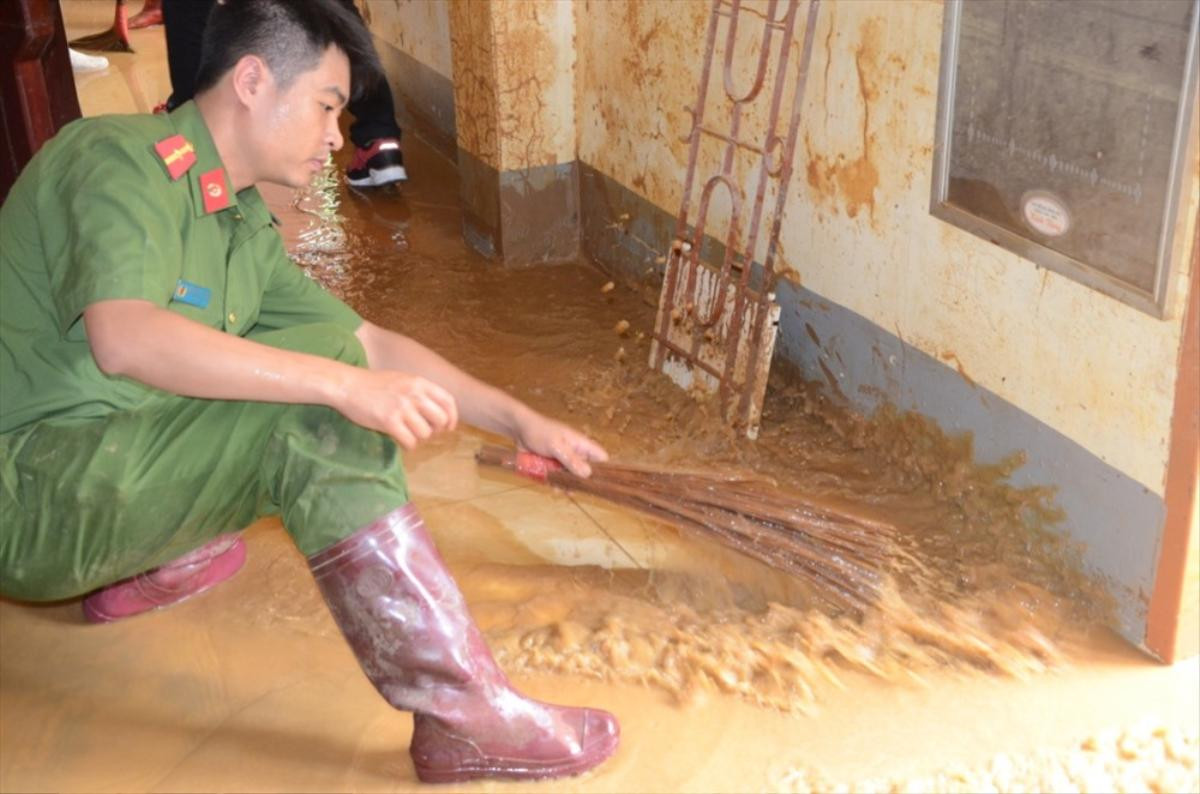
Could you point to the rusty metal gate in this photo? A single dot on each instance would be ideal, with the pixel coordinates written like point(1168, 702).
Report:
point(716, 324)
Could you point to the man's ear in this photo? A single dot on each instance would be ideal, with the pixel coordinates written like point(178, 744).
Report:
point(250, 78)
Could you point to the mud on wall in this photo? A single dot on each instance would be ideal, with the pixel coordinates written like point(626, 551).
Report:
point(505, 69)
point(413, 40)
point(857, 230)
point(879, 297)
point(514, 66)
point(420, 28)
point(535, 82)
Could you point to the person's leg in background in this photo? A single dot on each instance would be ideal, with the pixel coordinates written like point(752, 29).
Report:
point(376, 138)
point(375, 135)
point(184, 22)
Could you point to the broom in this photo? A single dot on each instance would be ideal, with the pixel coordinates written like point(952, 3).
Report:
point(843, 555)
point(115, 39)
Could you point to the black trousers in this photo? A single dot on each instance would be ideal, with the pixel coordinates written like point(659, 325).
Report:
point(184, 20)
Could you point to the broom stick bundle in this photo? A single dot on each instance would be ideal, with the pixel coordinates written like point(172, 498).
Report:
point(115, 39)
point(844, 556)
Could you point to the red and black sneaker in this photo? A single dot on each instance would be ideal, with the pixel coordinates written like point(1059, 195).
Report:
point(381, 163)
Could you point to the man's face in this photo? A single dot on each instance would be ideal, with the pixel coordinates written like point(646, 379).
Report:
point(297, 128)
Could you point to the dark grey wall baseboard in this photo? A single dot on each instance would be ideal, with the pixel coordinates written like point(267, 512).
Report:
point(621, 231)
point(1118, 521)
point(523, 217)
point(539, 214)
point(479, 189)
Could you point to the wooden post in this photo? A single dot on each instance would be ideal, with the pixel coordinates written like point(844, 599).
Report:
point(37, 87)
point(1173, 626)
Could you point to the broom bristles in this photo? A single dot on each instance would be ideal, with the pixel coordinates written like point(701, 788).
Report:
point(115, 39)
point(845, 556)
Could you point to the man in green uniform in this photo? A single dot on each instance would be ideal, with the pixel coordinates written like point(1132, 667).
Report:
point(167, 375)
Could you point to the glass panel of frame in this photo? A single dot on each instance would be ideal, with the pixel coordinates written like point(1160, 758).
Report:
point(1063, 134)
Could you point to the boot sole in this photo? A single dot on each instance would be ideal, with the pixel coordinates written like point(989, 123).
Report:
point(566, 769)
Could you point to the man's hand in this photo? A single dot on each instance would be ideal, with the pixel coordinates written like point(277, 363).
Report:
point(482, 405)
point(408, 408)
point(571, 448)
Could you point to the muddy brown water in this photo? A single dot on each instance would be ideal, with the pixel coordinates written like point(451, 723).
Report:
point(983, 585)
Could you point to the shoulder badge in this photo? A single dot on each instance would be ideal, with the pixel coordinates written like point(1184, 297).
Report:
point(212, 186)
point(177, 155)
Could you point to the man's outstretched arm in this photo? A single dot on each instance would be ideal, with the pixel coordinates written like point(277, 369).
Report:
point(409, 393)
point(139, 340)
point(480, 404)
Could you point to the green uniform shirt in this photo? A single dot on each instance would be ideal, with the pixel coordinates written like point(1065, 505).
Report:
point(99, 215)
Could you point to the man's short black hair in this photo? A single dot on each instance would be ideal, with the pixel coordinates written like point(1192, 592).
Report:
point(290, 36)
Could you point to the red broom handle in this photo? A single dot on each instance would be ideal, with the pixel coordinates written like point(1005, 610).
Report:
point(535, 466)
point(529, 464)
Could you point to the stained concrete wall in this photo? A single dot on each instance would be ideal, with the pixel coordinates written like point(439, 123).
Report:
point(515, 71)
point(535, 82)
point(858, 230)
point(413, 41)
point(492, 85)
point(514, 92)
point(880, 298)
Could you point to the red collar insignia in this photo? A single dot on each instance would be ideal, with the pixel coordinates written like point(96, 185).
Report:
point(214, 191)
point(177, 155)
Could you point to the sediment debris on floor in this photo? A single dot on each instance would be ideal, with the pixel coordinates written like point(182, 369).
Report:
point(1145, 758)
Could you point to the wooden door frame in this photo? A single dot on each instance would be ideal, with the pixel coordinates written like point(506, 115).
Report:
point(1173, 624)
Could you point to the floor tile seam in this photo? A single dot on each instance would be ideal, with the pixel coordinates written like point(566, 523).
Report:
point(450, 502)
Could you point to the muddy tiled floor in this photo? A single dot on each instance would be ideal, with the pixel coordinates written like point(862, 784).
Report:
point(250, 688)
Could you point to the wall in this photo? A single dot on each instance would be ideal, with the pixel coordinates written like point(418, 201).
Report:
point(413, 41)
point(514, 100)
point(904, 305)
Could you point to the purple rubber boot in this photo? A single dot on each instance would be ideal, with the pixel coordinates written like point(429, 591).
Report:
point(406, 620)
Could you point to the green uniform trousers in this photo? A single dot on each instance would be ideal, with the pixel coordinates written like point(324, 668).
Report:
point(86, 502)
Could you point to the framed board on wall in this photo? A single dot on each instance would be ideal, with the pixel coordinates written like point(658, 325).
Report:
point(1063, 134)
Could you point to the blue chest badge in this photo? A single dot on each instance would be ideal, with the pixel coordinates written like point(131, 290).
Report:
point(191, 294)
